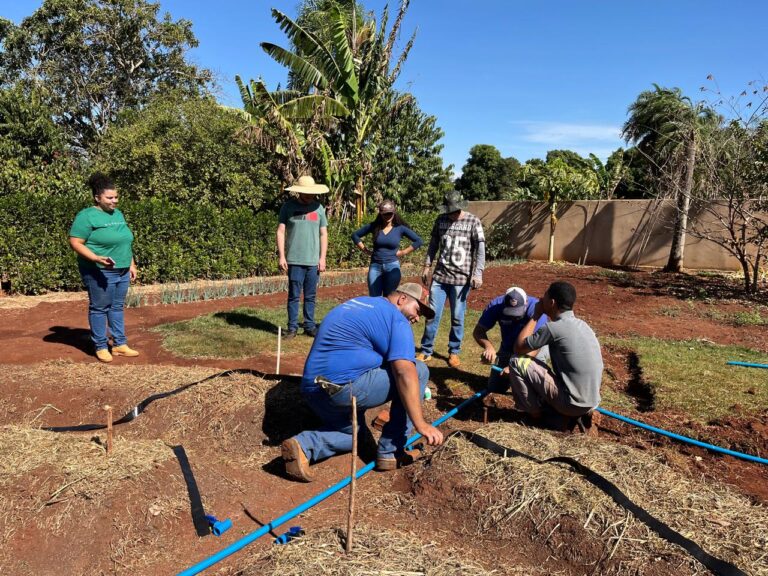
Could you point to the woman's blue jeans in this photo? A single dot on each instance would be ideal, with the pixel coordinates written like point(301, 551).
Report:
point(302, 278)
point(371, 389)
point(383, 279)
point(106, 300)
point(457, 299)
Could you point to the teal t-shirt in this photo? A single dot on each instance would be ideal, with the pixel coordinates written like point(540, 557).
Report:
point(302, 231)
point(105, 234)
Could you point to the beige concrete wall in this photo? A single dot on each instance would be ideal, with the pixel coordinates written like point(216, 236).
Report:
point(603, 232)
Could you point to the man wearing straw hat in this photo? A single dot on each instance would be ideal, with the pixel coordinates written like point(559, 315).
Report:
point(364, 348)
point(302, 243)
point(457, 244)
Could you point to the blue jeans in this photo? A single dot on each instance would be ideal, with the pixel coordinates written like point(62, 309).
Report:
point(371, 389)
point(106, 300)
point(383, 279)
point(457, 299)
point(302, 278)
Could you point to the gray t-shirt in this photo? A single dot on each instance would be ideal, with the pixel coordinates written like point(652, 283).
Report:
point(576, 358)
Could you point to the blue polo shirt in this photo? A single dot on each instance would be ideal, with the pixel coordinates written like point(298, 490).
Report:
point(509, 328)
point(357, 336)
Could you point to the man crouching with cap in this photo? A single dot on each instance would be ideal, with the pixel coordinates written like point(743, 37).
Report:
point(364, 348)
point(511, 311)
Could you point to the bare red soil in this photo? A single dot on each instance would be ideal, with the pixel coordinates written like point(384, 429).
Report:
point(614, 304)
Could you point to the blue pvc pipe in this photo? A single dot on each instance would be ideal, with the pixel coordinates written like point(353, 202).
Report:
point(747, 364)
point(684, 438)
point(673, 435)
point(253, 536)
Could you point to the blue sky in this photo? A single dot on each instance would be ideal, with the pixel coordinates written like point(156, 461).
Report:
point(524, 76)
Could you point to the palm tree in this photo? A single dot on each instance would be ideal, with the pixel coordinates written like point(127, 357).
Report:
point(667, 127)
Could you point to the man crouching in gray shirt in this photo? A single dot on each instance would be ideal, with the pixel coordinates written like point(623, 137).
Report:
point(572, 387)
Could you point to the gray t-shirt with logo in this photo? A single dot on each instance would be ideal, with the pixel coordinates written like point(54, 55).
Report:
point(576, 358)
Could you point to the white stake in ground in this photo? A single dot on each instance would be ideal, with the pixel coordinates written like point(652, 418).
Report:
point(351, 516)
point(279, 343)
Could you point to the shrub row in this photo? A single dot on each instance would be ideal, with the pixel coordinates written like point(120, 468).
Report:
point(174, 243)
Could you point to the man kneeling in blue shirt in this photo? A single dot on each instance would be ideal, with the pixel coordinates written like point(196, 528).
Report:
point(364, 348)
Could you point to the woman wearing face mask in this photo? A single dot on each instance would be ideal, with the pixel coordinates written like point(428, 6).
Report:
point(387, 231)
point(102, 240)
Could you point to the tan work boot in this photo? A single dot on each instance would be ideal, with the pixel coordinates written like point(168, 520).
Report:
point(124, 350)
point(381, 419)
point(393, 463)
point(296, 463)
point(421, 357)
point(454, 361)
point(104, 355)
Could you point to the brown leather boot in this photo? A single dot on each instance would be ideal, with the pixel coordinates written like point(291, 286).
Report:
point(296, 463)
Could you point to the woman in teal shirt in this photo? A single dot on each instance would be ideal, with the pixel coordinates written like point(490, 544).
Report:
point(102, 240)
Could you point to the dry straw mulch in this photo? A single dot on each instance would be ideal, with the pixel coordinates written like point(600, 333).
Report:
point(725, 524)
point(45, 477)
point(376, 552)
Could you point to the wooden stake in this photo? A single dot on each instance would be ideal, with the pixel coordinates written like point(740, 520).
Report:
point(353, 473)
point(485, 414)
point(279, 344)
point(108, 409)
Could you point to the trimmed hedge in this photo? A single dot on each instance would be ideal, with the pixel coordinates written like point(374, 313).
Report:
point(174, 243)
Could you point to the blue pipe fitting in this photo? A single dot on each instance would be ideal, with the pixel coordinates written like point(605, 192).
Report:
point(218, 527)
point(293, 532)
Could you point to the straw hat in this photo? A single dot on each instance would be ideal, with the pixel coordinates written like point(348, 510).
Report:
point(306, 185)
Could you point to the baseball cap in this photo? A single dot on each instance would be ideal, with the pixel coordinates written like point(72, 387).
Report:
point(515, 303)
point(418, 293)
point(386, 207)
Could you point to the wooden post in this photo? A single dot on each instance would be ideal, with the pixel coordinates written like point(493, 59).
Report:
point(485, 414)
point(351, 516)
point(279, 343)
point(108, 409)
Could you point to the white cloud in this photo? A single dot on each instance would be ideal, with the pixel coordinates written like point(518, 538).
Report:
point(532, 139)
point(568, 134)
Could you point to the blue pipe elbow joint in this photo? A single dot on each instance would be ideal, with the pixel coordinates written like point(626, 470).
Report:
point(293, 532)
point(218, 527)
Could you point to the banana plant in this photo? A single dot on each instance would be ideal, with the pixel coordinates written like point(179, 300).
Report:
point(348, 62)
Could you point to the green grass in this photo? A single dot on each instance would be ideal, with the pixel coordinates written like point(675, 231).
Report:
point(245, 332)
point(692, 377)
point(237, 333)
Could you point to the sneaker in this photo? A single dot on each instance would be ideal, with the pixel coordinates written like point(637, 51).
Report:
point(291, 334)
point(311, 333)
point(421, 357)
point(104, 355)
point(296, 463)
point(124, 350)
point(454, 361)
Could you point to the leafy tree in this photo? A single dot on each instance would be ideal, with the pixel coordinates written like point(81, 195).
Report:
point(609, 174)
point(732, 210)
point(555, 181)
point(92, 59)
point(488, 176)
point(571, 158)
point(33, 155)
point(352, 66)
point(668, 127)
point(407, 166)
point(186, 150)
